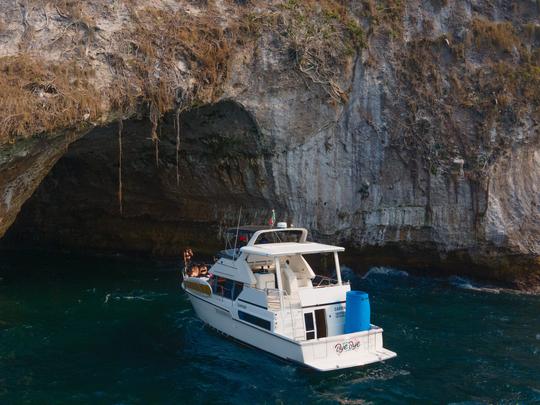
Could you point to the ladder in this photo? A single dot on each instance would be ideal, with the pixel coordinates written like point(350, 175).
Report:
point(294, 319)
point(291, 319)
point(299, 332)
point(272, 300)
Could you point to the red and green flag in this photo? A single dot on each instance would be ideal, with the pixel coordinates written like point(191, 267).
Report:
point(272, 220)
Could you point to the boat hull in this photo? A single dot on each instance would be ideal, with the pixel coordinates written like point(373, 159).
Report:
point(331, 353)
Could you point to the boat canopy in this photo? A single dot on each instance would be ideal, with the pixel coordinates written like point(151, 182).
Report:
point(289, 249)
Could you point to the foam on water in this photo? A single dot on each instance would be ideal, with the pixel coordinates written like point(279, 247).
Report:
point(385, 271)
point(147, 296)
point(467, 284)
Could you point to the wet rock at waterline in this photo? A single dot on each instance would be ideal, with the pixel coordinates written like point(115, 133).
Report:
point(408, 133)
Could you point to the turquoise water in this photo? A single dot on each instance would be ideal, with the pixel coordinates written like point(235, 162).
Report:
point(87, 330)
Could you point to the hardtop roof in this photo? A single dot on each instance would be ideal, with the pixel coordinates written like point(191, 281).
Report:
point(289, 248)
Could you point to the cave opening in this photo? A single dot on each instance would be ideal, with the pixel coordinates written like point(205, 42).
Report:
point(223, 164)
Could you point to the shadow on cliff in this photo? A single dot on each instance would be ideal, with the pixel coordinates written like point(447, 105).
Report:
point(179, 190)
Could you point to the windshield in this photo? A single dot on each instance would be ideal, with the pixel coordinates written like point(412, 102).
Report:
point(280, 236)
point(231, 241)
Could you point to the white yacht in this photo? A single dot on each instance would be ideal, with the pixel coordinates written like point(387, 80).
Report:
point(262, 291)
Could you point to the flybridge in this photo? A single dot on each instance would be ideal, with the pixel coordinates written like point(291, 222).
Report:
point(262, 291)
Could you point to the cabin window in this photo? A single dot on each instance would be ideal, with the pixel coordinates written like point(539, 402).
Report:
point(228, 288)
point(255, 320)
point(310, 326)
point(223, 287)
point(238, 287)
point(217, 285)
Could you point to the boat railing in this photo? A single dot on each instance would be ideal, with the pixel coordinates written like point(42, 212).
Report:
point(273, 297)
point(323, 281)
point(275, 293)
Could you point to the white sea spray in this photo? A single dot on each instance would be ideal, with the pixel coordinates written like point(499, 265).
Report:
point(385, 271)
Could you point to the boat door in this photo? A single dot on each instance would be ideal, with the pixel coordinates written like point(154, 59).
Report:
point(316, 328)
point(320, 323)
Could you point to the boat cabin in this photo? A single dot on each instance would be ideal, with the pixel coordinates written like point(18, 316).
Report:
point(269, 276)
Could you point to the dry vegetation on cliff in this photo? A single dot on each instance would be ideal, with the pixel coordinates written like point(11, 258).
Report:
point(171, 60)
point(318, 38)
point(493, 36)
point(441, 86)
point(164, 58)
point(40, 97)
point(385, 16)
point(161, 58)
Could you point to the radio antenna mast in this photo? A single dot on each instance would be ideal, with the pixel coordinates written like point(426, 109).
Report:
point(237, 229)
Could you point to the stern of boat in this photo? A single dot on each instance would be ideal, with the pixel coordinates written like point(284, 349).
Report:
point(347, 350)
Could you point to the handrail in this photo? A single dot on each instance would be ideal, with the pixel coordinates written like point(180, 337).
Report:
point(267, 290)
point(323, 281)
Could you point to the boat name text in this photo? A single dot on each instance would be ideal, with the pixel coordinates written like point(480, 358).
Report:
point(348, 346)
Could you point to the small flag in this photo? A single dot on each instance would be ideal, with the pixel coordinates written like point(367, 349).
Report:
point(273, 219)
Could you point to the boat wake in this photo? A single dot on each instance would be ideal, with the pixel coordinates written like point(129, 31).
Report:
point(378, 374)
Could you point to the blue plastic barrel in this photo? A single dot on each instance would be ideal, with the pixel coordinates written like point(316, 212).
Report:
point(357, 312)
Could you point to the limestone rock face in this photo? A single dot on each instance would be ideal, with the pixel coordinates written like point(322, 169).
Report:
point(24, 166)
point(421, 148)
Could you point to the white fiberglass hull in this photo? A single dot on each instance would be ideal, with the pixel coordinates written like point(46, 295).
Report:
point(331, 353)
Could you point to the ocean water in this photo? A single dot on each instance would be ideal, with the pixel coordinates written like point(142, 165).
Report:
point(91, 330)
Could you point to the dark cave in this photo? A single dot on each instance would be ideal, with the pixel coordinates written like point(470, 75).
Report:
point(223, 164)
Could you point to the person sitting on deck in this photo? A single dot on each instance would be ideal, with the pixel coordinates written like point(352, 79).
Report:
point(194, 271)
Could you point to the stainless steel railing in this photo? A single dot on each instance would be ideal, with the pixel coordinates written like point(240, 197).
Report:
point(322, 281)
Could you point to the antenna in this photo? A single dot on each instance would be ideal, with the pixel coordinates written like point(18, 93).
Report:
point(237, 228)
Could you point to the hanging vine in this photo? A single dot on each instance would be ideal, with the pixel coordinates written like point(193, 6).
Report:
point(177, 124)
point(154, 119)
point(120, 186)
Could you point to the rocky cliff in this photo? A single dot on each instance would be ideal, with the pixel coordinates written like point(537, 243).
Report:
point(406, 130)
